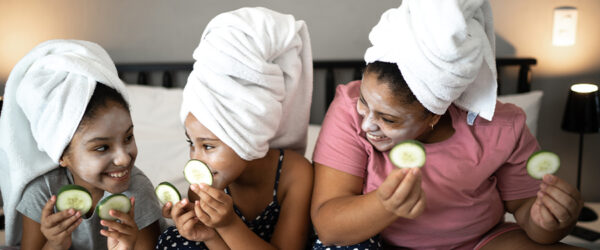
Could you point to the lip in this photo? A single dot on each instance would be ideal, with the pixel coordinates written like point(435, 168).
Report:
point(375, 138)
point(118, 176)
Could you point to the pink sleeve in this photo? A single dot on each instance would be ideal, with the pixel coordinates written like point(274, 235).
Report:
point(513, 181)
point(338, 145)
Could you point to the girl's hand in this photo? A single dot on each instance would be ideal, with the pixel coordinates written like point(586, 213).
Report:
point(57, 227)
point(166, 210)
point(215, 207)
point(121, 235)
point(557, 205)
point(401, 193)
point(188, 225)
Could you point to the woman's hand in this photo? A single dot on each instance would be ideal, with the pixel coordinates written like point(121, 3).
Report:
point(57, 227)
point(121, 235)
point(557, 205)
point(215, 207)
point(188, 224)
point(401, 193)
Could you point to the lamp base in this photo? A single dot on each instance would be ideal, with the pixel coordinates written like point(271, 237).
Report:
point(587, 214)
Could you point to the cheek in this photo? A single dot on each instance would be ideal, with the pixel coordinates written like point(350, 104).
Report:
point(361, 109)
point(408, 131)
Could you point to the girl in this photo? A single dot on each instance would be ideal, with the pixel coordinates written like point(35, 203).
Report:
point(253, 66)
point(475, 167)
point(52, 87)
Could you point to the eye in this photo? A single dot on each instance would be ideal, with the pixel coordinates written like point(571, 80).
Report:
point(387, 120)
point(190, 142)
point(207, 147)
point(129, 138)
point(362, 100)
point(102, 148)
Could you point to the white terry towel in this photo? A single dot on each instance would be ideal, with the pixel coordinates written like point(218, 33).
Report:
point(45, 98)
point(252, 81)
point(445, 51)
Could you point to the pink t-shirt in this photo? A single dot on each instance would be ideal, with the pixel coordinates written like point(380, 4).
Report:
point(465, 178)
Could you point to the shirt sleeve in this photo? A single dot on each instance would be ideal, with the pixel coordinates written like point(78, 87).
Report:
point(33, 200)
point(339, 145)
point(147, 207)
point(513, 181)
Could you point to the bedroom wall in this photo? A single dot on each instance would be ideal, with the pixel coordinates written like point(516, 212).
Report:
point(155, 30)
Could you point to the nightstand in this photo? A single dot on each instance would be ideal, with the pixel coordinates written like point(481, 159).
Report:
point(592, 225)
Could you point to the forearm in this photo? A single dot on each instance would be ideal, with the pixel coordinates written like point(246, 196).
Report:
point(216, 243)
point(351, 220)
point(535, 232)
point(239, 236)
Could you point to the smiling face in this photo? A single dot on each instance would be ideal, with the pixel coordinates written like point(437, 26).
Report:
point(387, 118)
point(103, 150)
point(224, 163)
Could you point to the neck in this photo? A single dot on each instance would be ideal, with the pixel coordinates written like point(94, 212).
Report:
point(441, 131)
point(255, 170)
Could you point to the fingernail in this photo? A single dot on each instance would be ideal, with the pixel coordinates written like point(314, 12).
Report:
point(540, 194)
point(405, 170)
point(197, 203)
point(78, 214)
point(543, 186)
point(102, 222)
point(71, 211)
point(549, 178)
point(193, 187)
point(184, 201)
point(415, 171)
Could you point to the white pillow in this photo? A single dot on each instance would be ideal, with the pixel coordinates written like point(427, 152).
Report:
point(530, 102)
point(159, 135)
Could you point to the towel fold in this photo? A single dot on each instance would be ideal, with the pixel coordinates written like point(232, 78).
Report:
point(445, 51)
point(251, 84)
point(46, 95)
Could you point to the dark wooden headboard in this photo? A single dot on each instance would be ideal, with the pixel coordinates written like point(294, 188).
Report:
point(171, 73)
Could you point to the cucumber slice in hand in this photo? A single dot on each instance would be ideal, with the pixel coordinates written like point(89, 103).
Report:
point(75, 197)
point(118, 202)
point(408, 154)
point(166, 192)
point(541, 163)
point(197, 172)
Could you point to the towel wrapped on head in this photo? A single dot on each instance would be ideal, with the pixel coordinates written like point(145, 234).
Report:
point(45, 98)
point(445, 51)
point(252, 81)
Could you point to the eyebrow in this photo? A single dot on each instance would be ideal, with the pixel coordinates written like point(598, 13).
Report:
point(96, 139)
point(199, 138)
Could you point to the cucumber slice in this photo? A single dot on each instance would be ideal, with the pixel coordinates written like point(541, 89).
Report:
point(166, 192)
point(542, 162)
point(75, 197)
point(408, 154)
point(118, 202)
point(197, 172)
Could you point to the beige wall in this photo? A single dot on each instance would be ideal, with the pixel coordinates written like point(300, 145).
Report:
point(158, 30)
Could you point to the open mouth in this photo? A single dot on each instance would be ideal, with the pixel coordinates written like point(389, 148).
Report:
point(376, 137)
point(118, 175)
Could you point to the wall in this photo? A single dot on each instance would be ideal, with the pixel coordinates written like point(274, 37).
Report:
point(155, 30)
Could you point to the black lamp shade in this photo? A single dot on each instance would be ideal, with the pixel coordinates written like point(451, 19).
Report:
point(582, 112)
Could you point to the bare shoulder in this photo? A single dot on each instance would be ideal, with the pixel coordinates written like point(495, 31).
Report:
point(296, 173)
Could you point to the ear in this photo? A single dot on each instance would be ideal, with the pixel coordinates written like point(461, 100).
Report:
point(63, 161)
point(434, 120)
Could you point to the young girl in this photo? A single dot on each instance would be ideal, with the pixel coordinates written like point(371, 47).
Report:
point(238, 117)
point(52, 87)
point(475, 166)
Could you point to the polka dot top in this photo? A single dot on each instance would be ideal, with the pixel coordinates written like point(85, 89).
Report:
point(264, 224)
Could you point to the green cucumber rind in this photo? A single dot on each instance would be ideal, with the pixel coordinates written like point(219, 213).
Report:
point(413, 142)
point(205, 165)
point(166, 183)
point(71, 187)
point(536, 154)
point(103, 202)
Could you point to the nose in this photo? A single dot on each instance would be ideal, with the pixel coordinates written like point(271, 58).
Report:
point(368, 124)
point(122, 157)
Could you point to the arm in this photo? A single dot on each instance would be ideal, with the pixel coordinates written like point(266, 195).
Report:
point(147, 236)
point(551, 215)
point(340, 213)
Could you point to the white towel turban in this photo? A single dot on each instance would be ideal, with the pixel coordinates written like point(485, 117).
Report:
point(445, 51)
point(252, 81)
point(46, 95)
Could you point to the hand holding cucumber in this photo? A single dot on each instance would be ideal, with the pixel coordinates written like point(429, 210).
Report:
point(401, 193)
point(57, 227)
point(215, 207)
point(121, 234)
point(188, 224)
point(557, 204)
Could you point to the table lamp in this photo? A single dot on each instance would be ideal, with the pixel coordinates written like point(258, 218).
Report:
point(581, 116)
